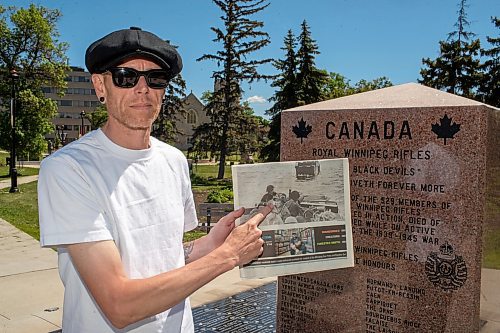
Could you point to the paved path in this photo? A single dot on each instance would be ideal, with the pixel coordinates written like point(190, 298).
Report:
point(5, 183)
point(31, 293)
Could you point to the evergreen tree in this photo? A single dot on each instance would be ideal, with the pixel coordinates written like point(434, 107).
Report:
point(164, 127)
point(490, 87)
point(240, 37)
point(286, 81)
point(457, 69)
point(29, 44)
point(284, 98)
point(310, 80)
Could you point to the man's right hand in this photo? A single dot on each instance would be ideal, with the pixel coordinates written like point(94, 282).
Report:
point(244, 243)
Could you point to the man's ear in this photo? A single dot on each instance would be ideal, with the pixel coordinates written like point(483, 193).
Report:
point(98, 82)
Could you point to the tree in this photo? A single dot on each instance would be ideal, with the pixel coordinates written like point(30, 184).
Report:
point(378, 83)
point(240, 37)
point(337, 86)
point(98, 117)
point(490, 87)
point(29, 44)
point(299, 82)
point(310, 80)
point(457, 69)
point(173, 105)
point(245, 135)
point(284, 98)
point(286, 81)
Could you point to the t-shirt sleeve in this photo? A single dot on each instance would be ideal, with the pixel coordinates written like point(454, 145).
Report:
point(68, 210)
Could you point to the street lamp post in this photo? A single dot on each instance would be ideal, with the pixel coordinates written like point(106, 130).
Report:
point(82, 129)
point(61, 135)
point(13, 171)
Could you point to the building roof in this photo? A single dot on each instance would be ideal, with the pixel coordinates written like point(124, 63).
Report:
point(406, 95)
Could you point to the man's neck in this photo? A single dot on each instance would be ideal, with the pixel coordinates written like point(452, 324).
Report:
point(125, 137)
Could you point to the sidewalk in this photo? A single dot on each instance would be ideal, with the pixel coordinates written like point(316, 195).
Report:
point(5, 183)
point(31, 293)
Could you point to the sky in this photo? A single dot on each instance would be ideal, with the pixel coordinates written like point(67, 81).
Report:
point(360, 39)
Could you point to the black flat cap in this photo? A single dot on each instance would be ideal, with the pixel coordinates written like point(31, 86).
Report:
point(114, 48)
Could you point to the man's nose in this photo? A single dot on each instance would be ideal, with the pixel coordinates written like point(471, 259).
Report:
point(142, 85)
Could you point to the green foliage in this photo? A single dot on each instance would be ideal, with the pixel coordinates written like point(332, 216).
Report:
point(300, 82)
point(457, 69)
point(286, 81)
point(98, 117)
point(490, 85)
point(220, 196)
point(240, 36)
point(29, 44)
point(310, 80)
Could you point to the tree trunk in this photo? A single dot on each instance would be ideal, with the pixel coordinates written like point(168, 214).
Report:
point(223, 152)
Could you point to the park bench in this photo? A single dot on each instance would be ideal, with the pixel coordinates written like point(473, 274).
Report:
point(212, 212)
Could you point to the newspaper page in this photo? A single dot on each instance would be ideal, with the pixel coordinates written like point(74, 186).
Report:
point(309, 228)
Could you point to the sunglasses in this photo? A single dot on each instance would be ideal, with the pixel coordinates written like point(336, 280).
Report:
point(124, 77)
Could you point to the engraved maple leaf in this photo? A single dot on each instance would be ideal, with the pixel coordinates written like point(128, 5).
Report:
point(303, 130)
point(445, 130)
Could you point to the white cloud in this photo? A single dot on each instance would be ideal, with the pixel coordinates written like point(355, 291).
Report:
point(256, 99)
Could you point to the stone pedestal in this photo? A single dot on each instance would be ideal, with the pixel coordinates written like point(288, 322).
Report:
point(420, 163)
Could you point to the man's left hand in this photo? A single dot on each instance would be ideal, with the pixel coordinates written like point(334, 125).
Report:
point(223, 228)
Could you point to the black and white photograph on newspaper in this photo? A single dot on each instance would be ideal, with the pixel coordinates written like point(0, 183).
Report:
point(309, 228)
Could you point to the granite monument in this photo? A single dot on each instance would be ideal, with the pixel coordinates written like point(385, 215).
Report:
point(420, 161)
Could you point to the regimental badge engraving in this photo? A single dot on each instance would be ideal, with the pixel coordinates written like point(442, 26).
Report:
point(446, 129)
point(446, 270)
point(302, 130)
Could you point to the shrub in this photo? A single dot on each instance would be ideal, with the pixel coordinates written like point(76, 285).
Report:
point(220, 196)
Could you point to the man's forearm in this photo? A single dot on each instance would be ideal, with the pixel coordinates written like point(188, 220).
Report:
point(124, 300)
point(198, 248)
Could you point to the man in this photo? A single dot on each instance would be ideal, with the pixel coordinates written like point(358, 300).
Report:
point(293, 205)
point(297, 246)
point(117, 202)
point(269, 195)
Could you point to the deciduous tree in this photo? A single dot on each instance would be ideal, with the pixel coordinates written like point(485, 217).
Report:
point(29, 44)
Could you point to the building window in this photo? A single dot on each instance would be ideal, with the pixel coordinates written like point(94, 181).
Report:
point(191, 117)
point(66, 103)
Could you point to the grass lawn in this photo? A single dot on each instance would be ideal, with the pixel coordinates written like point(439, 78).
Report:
point(21, 209)
point(4, 169)
point(210, 171)
point(491, 239)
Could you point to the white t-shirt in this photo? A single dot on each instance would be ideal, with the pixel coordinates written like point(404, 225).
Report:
point(94, 190)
